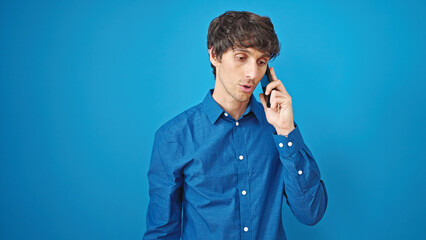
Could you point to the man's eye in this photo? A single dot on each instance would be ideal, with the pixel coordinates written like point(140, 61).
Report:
point(238, 57)
point(262, 62)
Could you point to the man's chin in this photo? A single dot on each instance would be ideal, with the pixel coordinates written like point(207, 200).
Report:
point(244, 97)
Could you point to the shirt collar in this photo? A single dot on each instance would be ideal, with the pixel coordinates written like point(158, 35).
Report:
point(214, 110)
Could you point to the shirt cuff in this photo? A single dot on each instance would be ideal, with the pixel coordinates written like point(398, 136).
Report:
point(290, 145)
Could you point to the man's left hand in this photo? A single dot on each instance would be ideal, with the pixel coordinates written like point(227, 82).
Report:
point(280, 114)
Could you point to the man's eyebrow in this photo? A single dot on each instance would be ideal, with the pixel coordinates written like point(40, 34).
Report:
point(241, 50)
point(267, 55)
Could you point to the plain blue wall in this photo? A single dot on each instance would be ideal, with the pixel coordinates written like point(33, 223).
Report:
point(84, 85)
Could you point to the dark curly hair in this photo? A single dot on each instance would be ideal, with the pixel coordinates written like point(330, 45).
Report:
point(242, 29)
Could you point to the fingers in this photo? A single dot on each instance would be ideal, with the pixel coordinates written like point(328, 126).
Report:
point(272, 71)
point(275, 84)
point(279, 100)
point(278, 86)
point(275, 99)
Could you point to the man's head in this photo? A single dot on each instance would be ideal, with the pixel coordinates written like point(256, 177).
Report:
point(241, 29)
point(240, 45)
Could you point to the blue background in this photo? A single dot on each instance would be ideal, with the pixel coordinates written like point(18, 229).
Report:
point(84, 85)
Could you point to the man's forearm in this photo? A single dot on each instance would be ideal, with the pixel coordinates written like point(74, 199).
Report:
point(305, 192)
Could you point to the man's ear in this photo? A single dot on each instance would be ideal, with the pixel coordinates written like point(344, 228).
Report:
point(213, 57)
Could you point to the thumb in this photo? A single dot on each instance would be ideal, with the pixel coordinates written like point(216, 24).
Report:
point(262, 100)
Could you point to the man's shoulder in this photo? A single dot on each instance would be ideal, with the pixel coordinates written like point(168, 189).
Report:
point(182, 121)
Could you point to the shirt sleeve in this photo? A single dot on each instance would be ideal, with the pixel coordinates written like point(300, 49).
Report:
point(305, 191)
point(163, 218)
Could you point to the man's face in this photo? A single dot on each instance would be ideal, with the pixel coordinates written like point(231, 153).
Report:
point(239, 72)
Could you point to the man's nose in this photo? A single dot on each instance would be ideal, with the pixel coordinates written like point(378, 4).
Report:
point(251, 70)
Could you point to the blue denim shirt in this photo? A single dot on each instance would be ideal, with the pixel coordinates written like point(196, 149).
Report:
point(214, 177)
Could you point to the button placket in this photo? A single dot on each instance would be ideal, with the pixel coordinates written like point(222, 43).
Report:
point(242, 187)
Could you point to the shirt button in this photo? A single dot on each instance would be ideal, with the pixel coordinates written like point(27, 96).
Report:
point(290, 144)
point(241, 157)
point(225, 114)
point(237, 123)
point(281, 145)
point(244, 192)
point(245, 229)
point(300, 172)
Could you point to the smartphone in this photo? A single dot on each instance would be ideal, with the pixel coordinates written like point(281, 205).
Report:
point(264, 82)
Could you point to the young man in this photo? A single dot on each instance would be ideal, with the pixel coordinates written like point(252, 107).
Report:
point(221, 169)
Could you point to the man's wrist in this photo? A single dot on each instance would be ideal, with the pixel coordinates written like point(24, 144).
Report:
point(285, 132)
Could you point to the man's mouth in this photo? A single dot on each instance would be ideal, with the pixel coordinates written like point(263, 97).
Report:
point(247, 88)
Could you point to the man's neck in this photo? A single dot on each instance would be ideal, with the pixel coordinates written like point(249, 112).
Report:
point(230, 105)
